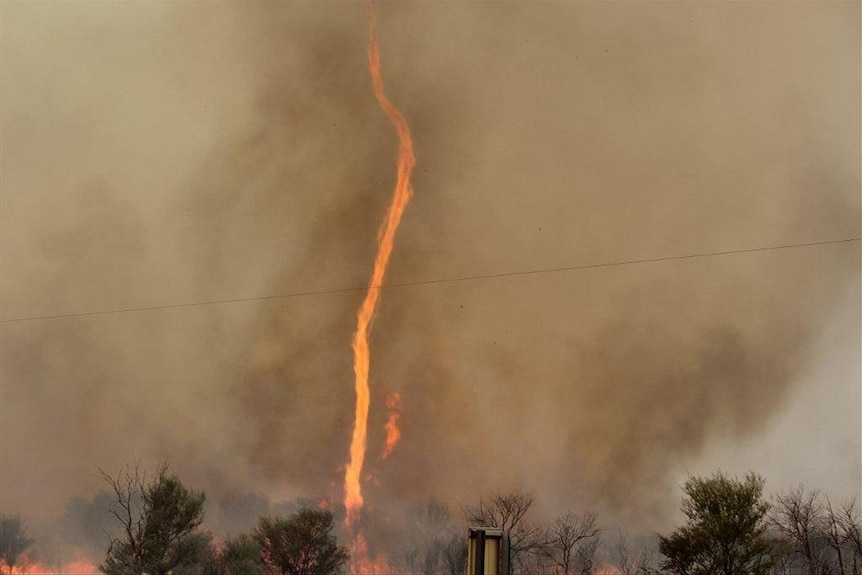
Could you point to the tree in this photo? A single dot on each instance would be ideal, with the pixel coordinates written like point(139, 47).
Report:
point(13, 540)
point(783, 557)
point(797, 517)
point(843, 533)
point(158, 520)
point(239, 555)
point(814, 538)
point(507, 511)
point(302, 544)
point(725, 530)
point(571, 543)
point(629, 560)
point(835, 536)
point(455, 555)
point(434, 545)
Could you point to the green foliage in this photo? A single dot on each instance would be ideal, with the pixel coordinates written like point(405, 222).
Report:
point(13, 540)
point(198, 554)
point(302, 544)
point(725, 529)
point(173, 513)
point(239, 556)
point(158, 521)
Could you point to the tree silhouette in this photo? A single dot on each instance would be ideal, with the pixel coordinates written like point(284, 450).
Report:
point(302, 544)
point(13, 540)
point(159, 519)
point(725, 529)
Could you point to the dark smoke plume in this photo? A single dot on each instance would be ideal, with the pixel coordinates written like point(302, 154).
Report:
point(171, 153)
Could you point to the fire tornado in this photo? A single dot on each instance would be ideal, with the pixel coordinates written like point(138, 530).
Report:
point(353, 499)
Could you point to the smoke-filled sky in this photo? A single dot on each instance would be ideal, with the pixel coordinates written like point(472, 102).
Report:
point(157, 154)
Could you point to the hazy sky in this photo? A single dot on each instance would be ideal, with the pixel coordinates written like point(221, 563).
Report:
point(159, 154)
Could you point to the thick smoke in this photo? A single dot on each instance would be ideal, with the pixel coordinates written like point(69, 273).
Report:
point(169, 153)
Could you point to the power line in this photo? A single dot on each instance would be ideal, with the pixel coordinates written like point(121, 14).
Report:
point(435, 281)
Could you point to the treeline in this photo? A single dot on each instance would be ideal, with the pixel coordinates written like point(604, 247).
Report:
point(730, 528)
point(157, 531)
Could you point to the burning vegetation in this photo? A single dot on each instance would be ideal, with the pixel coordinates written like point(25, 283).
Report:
point(552, 412)
point(158, 526)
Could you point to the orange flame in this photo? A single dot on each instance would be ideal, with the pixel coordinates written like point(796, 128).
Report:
point(353, 499)
point(77, 567)
point(362, 564)
point(393, 434)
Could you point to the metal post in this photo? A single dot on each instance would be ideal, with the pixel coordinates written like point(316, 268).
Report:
point(480, 553)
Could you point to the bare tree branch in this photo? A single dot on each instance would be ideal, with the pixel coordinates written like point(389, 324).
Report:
point(631, 561)
point(571, 540)
point(507, 511)
point(798, 517)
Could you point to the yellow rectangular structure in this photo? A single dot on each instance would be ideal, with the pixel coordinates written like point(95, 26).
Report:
point(487, 552)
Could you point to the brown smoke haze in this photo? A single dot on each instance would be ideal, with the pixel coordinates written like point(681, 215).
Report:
point(159, 153)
